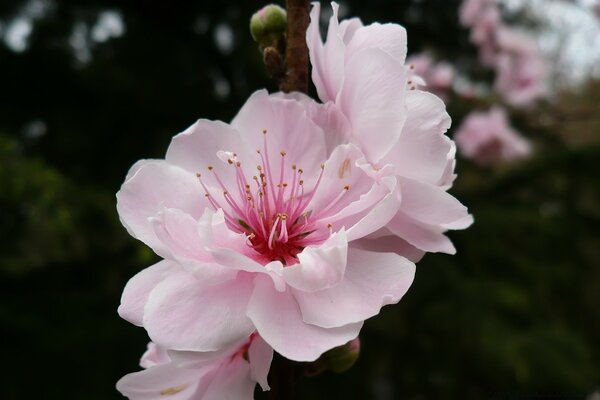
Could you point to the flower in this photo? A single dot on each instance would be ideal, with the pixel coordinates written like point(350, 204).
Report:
point(521, 70)
point(253, 221)
point(360, 74)
point(437, 78)
point(487, 138)
point(231, 373)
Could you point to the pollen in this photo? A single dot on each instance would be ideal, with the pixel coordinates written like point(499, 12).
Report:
point(173, 390)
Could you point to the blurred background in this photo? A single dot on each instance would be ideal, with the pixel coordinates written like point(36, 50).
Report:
point(89, 87)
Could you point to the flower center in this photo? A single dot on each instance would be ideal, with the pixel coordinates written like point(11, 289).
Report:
point(271, 211)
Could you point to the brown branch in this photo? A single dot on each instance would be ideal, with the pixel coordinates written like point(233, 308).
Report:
point(296, 58)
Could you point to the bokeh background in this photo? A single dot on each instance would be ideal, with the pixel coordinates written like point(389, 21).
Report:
point(89, 87)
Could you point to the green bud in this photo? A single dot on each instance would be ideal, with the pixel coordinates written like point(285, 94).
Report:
point(268, 25)
point(338, 359)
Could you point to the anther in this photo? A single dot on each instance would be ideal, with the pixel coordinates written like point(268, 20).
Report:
point(264, 131)
point(347, 187)
point(198, 175)
point(283, 153)
point(210, 168)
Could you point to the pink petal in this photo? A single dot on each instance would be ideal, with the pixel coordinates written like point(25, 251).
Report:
point(327, 59)
point(373, 99)
point(384, 241)
point(278, 320)
point(379, 212)
point(391, 38)
point(183, 314)
point(348, 28)
point(196, 148)
point(179, 232)
point(429, 204)
point(425, 237)
point(289, 129)
point(319, 267)
point(202, 359)
point(160, 382)
point(372, 280)
point(232, 382)
point(422, 149)
point(136, 292)
point(260, 355)
point(154, 185)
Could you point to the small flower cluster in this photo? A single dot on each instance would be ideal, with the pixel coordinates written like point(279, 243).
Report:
point(287, 228)
point(487, 138)
point(520, 68)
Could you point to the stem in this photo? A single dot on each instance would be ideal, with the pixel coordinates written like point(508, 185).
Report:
point(296, 57)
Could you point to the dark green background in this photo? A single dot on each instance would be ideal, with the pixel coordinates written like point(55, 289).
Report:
point(516, 314)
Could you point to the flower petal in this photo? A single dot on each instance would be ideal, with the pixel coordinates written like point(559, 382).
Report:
point(319, 267)
point(372, 280)
point(136, 292)
point(197, 147)
point(391, 38)
point(431, 205)
point(278, 320)
point(260, 355)
point(232, 382)
point(154, 185)
point(289, 129)
point(423, 236)
point(327, 59)
point(384, 241)
point(183, 314)
point(373, 99)
point(422, 149)
point(160, 382)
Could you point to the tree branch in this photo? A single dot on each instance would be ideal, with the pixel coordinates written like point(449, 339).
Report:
point(296, 78)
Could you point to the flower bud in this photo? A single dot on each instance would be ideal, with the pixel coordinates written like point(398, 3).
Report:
point(338, 359)
point(268, 25)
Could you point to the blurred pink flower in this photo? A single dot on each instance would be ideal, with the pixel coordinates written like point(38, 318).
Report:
point(520, 68)
point(231, 373)
point(471, 10)
point(361, 76)
point(487, 138)
point(259, 239)
point(437, 77)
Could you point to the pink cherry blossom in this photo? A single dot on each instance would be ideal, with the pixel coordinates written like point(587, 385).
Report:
point(360, 74)
point(437, 77)
point(487, 138)
point(231, 373)
point(253, 220)
point(521, 70)
point(471, 10)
